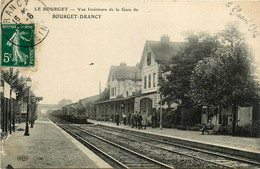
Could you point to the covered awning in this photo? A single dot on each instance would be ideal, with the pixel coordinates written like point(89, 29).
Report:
point(117, 99)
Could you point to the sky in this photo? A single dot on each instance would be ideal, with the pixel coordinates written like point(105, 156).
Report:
point(62, 59)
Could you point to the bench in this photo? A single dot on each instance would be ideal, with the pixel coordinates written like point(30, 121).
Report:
point(215, 129)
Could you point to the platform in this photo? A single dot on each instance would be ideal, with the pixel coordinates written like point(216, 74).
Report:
point(243, 146)
point(48, 146)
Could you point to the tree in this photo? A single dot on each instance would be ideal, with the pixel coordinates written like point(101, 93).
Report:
point(104, 95)
point(207, 82)
point(228, 78)
point(176, 85)
point(64, 102)
point(17, 82)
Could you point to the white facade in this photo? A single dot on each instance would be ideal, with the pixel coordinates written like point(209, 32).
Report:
point(149, 72)
point(116, 88)
point(122, 88)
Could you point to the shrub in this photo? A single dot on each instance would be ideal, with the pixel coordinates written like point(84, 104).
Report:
point(250, 130)
point(195, 128)
point(225, 129)
point(184, 127)
point(168, 118)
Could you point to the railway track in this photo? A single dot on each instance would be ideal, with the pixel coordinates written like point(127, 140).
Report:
point(217, 160)
point(119, 155)
point(221, 159)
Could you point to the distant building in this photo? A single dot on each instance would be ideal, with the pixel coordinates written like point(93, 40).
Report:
point(123, 82)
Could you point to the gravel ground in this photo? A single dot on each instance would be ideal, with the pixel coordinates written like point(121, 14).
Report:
point(240, 143)
point(178, 161)
point(119, 154)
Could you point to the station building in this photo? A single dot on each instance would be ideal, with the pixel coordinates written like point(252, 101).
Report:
point(155, 54)
point(136, 89)
point(124, 83)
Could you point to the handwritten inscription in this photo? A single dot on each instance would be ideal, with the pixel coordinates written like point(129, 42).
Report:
point(236, 10)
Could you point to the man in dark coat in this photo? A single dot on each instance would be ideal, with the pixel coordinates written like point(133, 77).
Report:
point(154, 120)
point(136, 120)
point(140, 121)
point(129, 118)
point(132, 120)
point(117, 119)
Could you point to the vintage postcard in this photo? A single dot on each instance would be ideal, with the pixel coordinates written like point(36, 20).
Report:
point(130, 84)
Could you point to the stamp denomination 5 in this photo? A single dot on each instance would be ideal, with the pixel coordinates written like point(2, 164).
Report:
point(22, 29)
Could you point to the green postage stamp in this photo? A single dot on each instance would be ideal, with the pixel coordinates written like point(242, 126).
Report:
point(18, 45)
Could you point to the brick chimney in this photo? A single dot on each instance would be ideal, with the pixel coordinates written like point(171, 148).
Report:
point(122, 64)
point(165, 39)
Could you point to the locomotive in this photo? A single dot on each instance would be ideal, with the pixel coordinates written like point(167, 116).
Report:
point(75, 113)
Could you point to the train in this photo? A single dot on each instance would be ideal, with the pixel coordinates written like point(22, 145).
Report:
point(75, 113)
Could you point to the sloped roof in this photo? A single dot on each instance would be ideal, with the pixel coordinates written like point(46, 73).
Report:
point(69, 105)
point(116, 99)
point(133, 86)
point(124, 72)
point(90, 99)
point(163, 52)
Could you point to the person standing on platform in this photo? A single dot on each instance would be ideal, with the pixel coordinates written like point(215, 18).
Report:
point(129, 119)
point(124, 118)
point(136, 119)
point(144, 120)
point(154, 120)
point(132, 120)
point(139, 121)
point(117, 119)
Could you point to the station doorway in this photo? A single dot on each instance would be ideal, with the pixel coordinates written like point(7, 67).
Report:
point(146, 105)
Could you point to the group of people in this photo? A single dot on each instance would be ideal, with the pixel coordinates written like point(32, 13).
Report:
point(137, 120)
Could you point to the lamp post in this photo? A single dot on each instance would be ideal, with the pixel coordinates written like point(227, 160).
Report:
point(32, 111)
point(15, 107)
point(28, 85)
point(122, 112)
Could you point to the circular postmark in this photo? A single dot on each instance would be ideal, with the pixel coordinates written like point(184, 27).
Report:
point(22, 25)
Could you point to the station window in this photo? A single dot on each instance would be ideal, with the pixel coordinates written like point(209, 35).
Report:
point(113, 77)
point(154, 79)
point(144, 82)
point(149, 81)
point(149, 58)
point(112, 91)
point(225, 119)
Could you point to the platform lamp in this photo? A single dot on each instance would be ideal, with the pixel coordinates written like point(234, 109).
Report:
point(122, 111)
point(28, 85)
point(33, 110)
point(161, 112)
